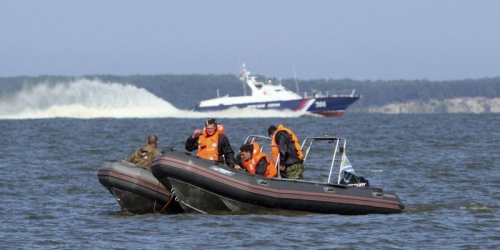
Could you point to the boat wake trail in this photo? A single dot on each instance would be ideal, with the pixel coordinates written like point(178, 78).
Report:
point(86, 99)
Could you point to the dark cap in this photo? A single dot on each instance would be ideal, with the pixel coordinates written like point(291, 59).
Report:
point(211, 121)
point(152, 139)
point(271, 129)
point(246, 147)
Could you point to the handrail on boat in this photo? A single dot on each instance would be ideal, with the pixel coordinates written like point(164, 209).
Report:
point(307, 144)
point(319, 93)
point(252, 138)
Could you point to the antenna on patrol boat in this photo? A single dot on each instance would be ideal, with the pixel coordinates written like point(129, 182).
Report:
point(295, 76)
point(243, 78)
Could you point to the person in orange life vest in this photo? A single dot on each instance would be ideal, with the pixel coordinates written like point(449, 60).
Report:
point(255, 161)
point(145, 155)
point(291, 162)
point(211, 143)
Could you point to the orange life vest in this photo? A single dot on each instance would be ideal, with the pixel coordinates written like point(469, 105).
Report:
point(208, 146)
point(275, 149)
point(251, 164)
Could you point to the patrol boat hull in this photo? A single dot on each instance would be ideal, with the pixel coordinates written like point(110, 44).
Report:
point(135, 188)
point(324, 106)
point(204, 187)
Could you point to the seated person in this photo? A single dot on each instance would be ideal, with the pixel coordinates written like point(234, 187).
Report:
point(144, 156)
point(255, 161)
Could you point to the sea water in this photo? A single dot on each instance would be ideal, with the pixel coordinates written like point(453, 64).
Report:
point(445, 168)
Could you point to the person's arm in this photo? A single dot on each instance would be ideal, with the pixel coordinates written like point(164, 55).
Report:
point(282, 140)
point(226, 150)
point(191, 143)
point(261, 166)
point(156, 153)
point(131, 157)
point(238, 164)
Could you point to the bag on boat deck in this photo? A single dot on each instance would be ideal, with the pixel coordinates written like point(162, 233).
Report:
point(349, 177)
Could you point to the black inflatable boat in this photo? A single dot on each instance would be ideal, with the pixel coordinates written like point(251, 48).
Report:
point(206, 187)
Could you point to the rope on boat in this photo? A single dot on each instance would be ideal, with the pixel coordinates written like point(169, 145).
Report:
point(166, 205)
point(172, 193)
point(198, 210)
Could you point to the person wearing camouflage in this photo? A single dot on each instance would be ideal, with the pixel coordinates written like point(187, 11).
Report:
point(294, 171)
point(145, 155)
point(291, 162)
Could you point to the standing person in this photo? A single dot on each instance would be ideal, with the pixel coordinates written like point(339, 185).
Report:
point(211, 143)
point(291, 162)
point(145, 155)
point(256, 161)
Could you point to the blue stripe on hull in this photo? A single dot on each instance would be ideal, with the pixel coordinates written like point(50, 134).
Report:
point(322, 105)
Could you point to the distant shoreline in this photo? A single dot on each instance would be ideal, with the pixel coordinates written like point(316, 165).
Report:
point(473, 105)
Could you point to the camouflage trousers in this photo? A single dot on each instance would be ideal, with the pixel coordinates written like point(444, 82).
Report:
point(294, 171)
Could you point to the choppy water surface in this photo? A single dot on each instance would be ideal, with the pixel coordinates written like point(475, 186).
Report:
point(444, 168)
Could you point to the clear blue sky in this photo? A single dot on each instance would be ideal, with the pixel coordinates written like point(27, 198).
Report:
point(390, 39)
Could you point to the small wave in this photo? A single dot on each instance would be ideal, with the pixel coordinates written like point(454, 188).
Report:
point(85, 98)
point(422, 208)
point(478, 208)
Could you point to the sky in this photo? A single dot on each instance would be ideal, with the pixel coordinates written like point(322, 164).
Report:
point(361, 40)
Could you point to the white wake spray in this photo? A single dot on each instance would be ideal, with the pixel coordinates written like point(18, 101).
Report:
point(86, 99)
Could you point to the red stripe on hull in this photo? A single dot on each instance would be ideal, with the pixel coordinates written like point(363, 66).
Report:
point(330, 113)
point(302, 104)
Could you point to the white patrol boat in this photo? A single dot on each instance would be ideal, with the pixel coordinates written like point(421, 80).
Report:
point(268, 96)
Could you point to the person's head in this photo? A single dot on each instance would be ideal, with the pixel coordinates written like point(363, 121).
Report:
point(153, 140)
point(211, 126)
point(246, 151)
point(271, 130)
